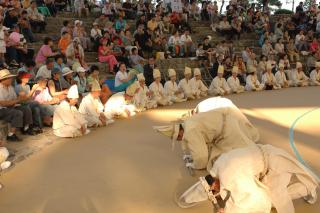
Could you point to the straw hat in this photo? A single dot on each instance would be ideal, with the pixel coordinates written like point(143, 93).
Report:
point(196, 71)
point(81, 69)
point(73, 92)
point(66, 71)
point(77, 22)
point(172, 72)
point(5, 74)
point(156, 73)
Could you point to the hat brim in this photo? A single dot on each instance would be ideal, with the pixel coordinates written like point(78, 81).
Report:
point(7, 76)
point(67, 73)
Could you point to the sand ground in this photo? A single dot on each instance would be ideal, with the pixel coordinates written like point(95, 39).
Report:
point(129, 168)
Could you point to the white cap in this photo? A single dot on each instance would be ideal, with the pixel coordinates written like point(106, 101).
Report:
point(156, 73)
point(269, 66)
point(95, 86)
point(66, 71)
point(187, 70)
point(73, 92)
point(131, 90)
point(235, 69)
point(81, 69)
point(252, 69)
point(196, 71)
point(172, 72)
point(220, 69)
point(318, 64)
point(140, 77)
point(298, 65)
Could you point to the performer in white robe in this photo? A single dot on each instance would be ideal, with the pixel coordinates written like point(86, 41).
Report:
point(281, 77)
point(197, 86)
point(315, 75)
point(269, 80)
point(208, 134)
point(171, 88)
point(67, 120)
point(185, 84)
point(158, 90)
point(120, 104)
point(219, 84)
point(252, 82)
point(253, 179)
point(142, 100)
point(233, 81)
point(298, 77)
point(92, 108)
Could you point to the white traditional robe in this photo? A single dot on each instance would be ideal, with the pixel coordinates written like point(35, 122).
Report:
point(269, 78)
point(91, 109)
point(253, 84)
point(219, 86)
point(4, 154)
point(315, 78)
point(158, 94)
point(258, 177)
point(209, 134)
point(234, 84)
point(170, 89)
point(299, 78)
point(118, 106)
point(198, 88)
point(281, 79)
point(67, 121)
point(142, 101)
point(185, 86)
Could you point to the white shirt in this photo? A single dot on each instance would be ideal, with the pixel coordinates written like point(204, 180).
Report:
point(7, 94)
point(185, 38)
point(185, 86)
point(120, 76)
point(280, 77)
point(234, 83)
point(44, 72)
point(315, 77)
point(197, 86)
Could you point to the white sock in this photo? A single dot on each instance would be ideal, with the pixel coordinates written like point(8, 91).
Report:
point(10, 133)
point(26, 127)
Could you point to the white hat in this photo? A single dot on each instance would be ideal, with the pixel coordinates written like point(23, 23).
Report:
point(298, 65)
point(73, 92)
point(131, 90)
point(95, 86)
point(171, 131)
point(66, 71)
point(252, 69)
point(81, 69)
point(140, 77)
point(77, 39)
point(172, 72)
point(187, 70)
point(77, 22)
point(269, 66)
point(4, 74)
point(317, 64)
point(235, 69)
point(156, 73)
point(220, 69)
point(209, 37)
point(281, 65)
point(196, 71)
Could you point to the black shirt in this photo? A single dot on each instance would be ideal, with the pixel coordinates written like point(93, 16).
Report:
point(9, 21)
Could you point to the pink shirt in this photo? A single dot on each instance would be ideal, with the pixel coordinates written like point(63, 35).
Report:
point(15, 37)
point(44, 50)
point(42, 96)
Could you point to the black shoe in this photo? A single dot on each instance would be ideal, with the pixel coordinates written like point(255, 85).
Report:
point(13, 138)
point(29, 131)
point(37, 130)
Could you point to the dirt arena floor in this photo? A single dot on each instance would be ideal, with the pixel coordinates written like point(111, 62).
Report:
point(129, 168)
